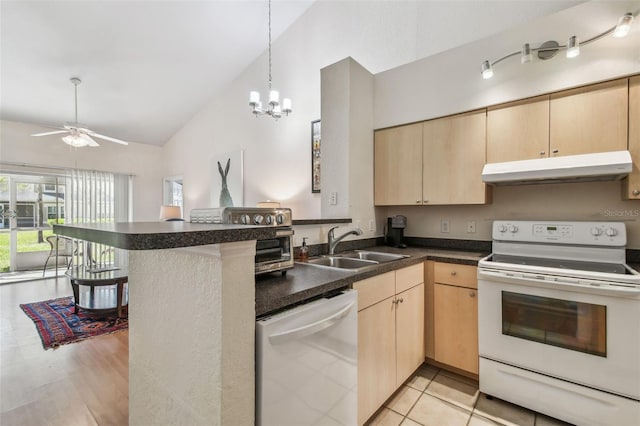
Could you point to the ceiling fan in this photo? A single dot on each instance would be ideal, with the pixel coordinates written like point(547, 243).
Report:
point(79, 134)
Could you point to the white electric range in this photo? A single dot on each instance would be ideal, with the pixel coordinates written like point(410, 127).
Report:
point(559, 321)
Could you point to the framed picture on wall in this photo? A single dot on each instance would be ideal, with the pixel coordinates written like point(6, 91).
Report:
point(315, 156)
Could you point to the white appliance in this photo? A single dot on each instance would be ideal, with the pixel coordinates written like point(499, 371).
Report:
point(559, 321)
point(570, 168)
point(306, 364)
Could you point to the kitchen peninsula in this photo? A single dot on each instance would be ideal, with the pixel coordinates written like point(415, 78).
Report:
point(191, 318)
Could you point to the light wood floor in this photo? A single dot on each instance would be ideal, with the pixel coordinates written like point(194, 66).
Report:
point(84, 383)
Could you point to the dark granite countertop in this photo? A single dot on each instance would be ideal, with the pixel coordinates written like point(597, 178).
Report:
point(304, 282)
point(163, 235)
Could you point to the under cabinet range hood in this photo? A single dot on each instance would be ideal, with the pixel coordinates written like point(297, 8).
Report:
point(571, 168)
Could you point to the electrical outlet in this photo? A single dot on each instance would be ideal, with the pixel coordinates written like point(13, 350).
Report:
point(372, 226)
point(334, 198)
point(444, 226)
point(471, 227)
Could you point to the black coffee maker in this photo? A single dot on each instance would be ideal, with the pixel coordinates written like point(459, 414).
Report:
point(395, 231)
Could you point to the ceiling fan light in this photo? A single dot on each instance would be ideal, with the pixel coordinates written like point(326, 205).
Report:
point(75, 141)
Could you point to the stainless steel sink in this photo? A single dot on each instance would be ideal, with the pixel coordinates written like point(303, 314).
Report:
point(342, 262)
point(355, 260)
point(374, 255)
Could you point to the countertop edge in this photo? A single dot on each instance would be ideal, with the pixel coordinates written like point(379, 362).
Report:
point(161, 236)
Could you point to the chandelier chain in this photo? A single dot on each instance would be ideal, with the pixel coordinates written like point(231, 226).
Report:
point(269, 44)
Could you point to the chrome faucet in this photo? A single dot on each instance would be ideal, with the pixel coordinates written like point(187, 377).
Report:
point(333, 241)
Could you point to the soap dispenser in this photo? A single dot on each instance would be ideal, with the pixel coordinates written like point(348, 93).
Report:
point(304, 250)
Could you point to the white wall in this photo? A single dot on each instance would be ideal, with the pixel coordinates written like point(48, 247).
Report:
point(142, 161)
point(379, 35)
point(450, 82)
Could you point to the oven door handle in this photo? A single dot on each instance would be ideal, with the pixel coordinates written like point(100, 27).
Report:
point(559, 283)
point(284, 232)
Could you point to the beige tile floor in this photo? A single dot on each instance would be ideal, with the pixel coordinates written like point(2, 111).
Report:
point(438, 397)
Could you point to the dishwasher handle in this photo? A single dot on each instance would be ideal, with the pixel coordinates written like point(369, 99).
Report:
point(314, 327)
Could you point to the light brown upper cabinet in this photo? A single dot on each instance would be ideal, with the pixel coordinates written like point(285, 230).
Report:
point(398, 166)
point(518, 130)
point(631, 188)
point(577, 121)
point(453, 155)
point(589, 119)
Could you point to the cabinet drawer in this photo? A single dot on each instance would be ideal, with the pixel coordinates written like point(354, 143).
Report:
point(454, 274)
point(409, 277)
point(374, 289)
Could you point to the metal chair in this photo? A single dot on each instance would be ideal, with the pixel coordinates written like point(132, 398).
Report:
point(60, 247)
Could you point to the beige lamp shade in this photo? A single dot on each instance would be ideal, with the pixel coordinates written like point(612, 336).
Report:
point(170, 212)
point(269, 204)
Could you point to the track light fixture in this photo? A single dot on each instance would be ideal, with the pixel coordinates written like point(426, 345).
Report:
point(549, 49)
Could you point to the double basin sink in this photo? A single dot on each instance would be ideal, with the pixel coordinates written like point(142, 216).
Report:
point(355, 260)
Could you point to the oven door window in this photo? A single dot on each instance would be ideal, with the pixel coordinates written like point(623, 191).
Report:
point(564, 323)
point(273, 250)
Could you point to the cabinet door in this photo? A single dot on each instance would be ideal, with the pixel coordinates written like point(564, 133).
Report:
point(409, 332)
point(376, 357)
point(589, 119)
point(456, 327)
point(453, 158)
point(398, 166)
point(518, 130)
point(632, 186)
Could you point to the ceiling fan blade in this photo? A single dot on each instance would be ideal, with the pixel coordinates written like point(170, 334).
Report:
point(90, 141)
point(107, 138)
point(50, 133)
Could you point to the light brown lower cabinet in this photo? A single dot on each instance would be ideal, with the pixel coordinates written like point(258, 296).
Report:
point(451, 294)
point(390, 334)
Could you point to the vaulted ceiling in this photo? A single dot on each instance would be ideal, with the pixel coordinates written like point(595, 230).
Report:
point(146, 66)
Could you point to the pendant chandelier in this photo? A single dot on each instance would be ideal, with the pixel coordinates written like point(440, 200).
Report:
point(273, 108)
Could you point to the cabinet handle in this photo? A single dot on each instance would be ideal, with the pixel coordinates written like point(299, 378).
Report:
point(542, 153)
point(555, 151)
point(472, 294)
point(425, 201)
point(401, 300)
point(417, 201)
point(454, 273)
point(636, 192)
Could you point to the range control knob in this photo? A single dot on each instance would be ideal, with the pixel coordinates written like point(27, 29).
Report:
point(269, 219)
point(257, 219)
point(513, 228)
point(611, 232)
point(280, 218)
point(596, 231)
point(502, 228)
point(245, 219)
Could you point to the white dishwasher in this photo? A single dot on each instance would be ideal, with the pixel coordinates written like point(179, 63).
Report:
point(307, 364)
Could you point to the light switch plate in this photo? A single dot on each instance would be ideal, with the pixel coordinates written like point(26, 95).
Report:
point(444, 226)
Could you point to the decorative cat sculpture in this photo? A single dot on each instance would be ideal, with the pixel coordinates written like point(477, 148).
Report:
point(225, 197)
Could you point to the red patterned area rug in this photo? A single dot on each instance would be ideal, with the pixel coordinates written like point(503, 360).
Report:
point(58, 325)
